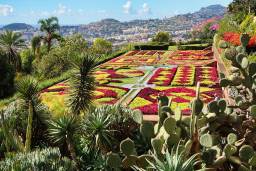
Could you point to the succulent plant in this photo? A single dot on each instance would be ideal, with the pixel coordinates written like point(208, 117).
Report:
point(223, 44)
point(230, 53)
point(147, 129)
point(169, 125)
point(231, 138)
point(246, 152)
point(244, 38)
point(207, 140)
point(127, 147)
point(113, 160)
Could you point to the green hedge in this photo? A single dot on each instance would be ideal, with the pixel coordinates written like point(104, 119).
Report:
point(194, 47)
point(152, 46)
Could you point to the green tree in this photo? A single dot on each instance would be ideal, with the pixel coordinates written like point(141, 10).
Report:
point(240, 8)
point(7, 75)
point(102, 46)
point(63, 131)
point(11, 43)
point(27, 58)
point(58, 59)
point(36, 46)
point(162, 37)
point(82, 83)
point(49, 26)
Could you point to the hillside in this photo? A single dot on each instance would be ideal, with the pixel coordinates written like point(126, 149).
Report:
point(112, 27)
point(17, 26)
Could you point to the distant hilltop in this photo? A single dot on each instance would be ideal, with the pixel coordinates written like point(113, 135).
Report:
point(17, 26)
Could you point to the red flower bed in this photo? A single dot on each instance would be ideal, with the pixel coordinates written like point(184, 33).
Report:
point(132, 53)
point(152, 52)
point(163, 79)
point(142, 52)
point(192, 55)
point(207, 76)
point(234, 39)
point(179, 95)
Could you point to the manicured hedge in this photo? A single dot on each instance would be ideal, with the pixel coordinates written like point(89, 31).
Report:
point(152, 47)
point(193, 47)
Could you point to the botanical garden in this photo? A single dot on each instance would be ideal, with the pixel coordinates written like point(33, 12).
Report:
point(69, 105)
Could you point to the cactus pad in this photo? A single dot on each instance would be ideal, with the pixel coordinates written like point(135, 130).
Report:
point(230, 53)
point(224, 82)
point(127, 147)
point(169, 125)
point(147, 129)
point(137, 116)
point(244, 38)
point(229, 150)
point(232, 138)
point(246, 152)
point(207, 140)
point(157, 145)
point(113, 160)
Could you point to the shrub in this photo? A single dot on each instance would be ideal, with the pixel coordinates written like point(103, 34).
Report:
point(7, 75)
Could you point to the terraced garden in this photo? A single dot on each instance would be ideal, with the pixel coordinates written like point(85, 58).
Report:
point(137, 78)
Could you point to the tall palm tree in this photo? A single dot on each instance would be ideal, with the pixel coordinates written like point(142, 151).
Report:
point(82, 83)
point(10, 43)
point(36, 45)
point(28, 90)
point(49, 26)
point(63, 130)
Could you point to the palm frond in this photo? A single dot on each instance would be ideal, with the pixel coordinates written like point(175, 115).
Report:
point(63, 127)
point(28, 88)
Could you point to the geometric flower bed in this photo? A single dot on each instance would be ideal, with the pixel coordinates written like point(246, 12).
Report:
point(54, 97)
point(184, 76)
point(106, 76)
point(192, 55)
point(207, 76)
point(116, 77)
point(109, 94)
point(163, 76)
point(146, 100)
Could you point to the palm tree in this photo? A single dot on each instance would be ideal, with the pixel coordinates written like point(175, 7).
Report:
point(28, 90)
point(10, 43)
point(50, 26)
point(63, 130)
point(82, 83)
point(36, 44)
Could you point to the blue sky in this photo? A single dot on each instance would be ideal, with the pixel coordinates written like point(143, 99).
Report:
point(85, 11)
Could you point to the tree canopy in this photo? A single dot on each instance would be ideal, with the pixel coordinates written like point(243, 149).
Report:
point(162, 37)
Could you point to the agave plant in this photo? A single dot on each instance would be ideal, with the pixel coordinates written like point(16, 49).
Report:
point(97, 129)
point(82, 83)
point(174, 161)
point(63, 130)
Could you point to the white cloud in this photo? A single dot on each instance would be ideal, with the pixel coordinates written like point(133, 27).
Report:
point(5, 10)
point(62, 9)
point(127, 7)
point(145, 9)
